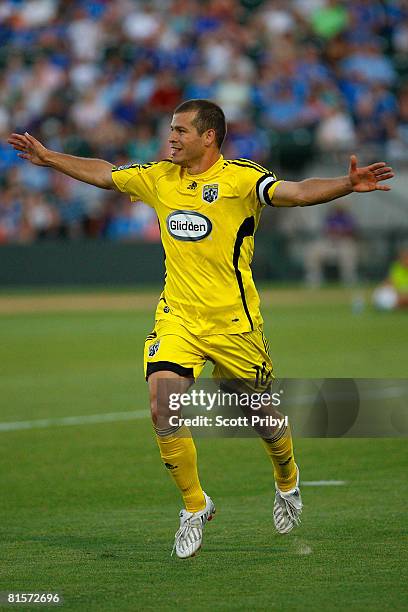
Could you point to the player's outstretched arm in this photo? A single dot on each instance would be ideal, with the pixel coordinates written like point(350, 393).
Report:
point(319, 190)
point(93, 171)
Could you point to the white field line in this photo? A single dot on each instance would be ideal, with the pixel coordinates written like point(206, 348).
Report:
point(111, 417)
point(108, 417)
point(322, 483)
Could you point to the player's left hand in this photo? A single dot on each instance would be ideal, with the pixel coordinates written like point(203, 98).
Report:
point(369, 177)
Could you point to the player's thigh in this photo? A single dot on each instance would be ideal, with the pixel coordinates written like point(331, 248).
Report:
point(243, 357)
point(171, 348)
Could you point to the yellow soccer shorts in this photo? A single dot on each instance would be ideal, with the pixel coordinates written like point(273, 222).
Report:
point(171, 347)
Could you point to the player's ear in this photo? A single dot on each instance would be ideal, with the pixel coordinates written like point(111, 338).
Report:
point(209, 137)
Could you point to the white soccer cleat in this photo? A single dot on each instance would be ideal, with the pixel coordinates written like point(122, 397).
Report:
point(189, 537)
point(287, 508)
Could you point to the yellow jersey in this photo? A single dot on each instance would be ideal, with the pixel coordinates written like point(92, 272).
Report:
point(399, 276)
point(207, 224)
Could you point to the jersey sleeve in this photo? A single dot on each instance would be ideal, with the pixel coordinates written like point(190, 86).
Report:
point(256, 182)
point(138, 180)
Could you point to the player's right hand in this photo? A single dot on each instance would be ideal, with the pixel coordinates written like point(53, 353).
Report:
point(31, 148)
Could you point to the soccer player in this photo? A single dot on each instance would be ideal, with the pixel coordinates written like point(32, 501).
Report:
point(393, 293)
point(208, 209)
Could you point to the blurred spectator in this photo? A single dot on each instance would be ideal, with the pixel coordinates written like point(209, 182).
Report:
point(393, 293)
point(398, 145)
point(85, 36)
point(366, 60)
point(337, 246)
point(11, 215)
point(217, 55)
point(278, 17)
point(366, 16)
point(42, 217)
point(201, 86)
point(371, 130)
point(311, 67)
point(166, 94)
point(89, 111)
point(330, 19)
point(131, 221)
point(126, 110)
point(7, 155)
point(233, 95)
point(244, 139)
point(142, 23)
point(100, 79)
point(145, 145)
point(335, 132)
point(286, 111)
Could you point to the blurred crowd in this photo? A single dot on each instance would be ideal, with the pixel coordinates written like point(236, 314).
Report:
point(100, 79)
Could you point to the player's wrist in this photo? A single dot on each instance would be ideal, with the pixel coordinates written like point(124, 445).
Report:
point(48, 157)
point(53, 159)
point(348, 184)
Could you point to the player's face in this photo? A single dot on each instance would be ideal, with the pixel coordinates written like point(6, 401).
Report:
point(186, 143)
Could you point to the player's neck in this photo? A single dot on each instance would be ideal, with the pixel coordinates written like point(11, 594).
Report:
point(203, 164)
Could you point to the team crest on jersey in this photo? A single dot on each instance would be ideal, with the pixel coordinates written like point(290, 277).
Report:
point(210, 193)
point(153, 348)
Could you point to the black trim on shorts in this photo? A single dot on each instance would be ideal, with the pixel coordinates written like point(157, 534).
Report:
point(247, 229)
point(170, 366)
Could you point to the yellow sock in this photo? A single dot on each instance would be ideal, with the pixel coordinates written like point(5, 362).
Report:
point(280, 450)
point(179, 455)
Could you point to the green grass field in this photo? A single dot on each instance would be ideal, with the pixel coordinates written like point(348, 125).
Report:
point(89, 512)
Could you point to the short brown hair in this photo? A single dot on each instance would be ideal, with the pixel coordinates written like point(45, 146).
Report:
point(209, 117)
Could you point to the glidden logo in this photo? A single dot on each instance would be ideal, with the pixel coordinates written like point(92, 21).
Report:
point(188, 225)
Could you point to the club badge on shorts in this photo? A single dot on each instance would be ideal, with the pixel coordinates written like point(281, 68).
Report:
point(153, 348)
point(210, 193)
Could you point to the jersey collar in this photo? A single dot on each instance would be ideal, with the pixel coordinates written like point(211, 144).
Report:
point(204, 176)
